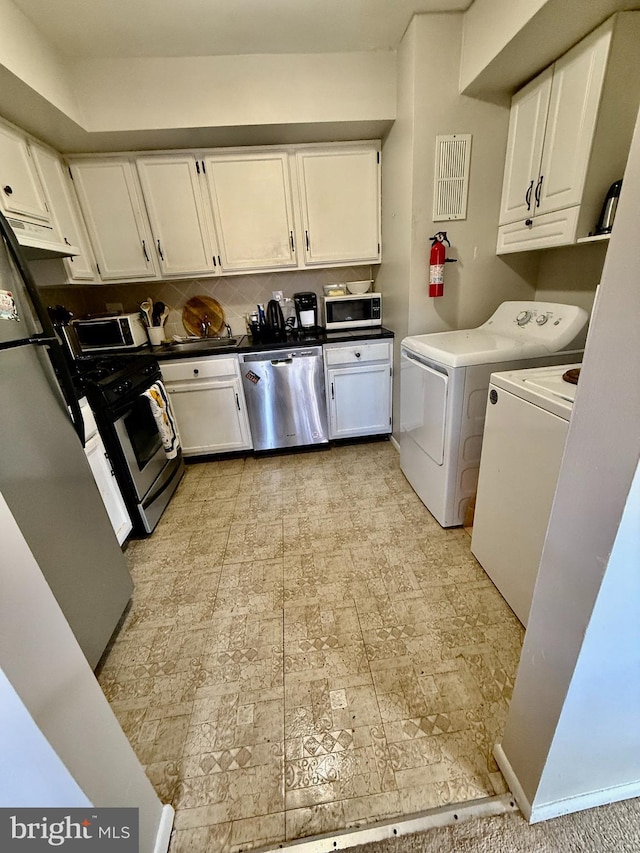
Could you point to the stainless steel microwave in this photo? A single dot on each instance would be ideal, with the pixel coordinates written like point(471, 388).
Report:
point(352, 311)
point(110, 332)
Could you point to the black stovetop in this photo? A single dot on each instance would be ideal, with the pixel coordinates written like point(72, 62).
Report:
point(108, 379)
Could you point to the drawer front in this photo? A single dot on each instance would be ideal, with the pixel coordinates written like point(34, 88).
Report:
point(199, 368)
point(549, 229)
point(361, 353)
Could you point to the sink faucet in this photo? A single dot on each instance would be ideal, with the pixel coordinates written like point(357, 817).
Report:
point(228, 328)
point(205, 325)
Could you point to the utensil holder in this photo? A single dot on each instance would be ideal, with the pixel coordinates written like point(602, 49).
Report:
point(156, 335)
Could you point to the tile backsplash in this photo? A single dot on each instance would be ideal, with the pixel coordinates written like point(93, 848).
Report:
point(238, 295)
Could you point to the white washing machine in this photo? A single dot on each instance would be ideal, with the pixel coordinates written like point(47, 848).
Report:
point(443, 392)
point(524, 437)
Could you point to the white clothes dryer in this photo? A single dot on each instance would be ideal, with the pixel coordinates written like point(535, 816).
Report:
point(444, 379)
point(524, 438)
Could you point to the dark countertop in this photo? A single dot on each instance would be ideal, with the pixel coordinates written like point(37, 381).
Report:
point(247, 344)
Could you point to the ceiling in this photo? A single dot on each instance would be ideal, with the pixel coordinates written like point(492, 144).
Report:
point(137, 28)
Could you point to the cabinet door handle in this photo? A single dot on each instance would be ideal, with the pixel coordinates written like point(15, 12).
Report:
point(197, 167)
point(8, 189)
point(528, 222)
point(527, 196)
point(214, 261)
point(538, 189)
point(293, 245)
point(144, 249)
point(333, 396)
point(237, 402)
point(357, 355)
point(306, 237)
point(160, 251)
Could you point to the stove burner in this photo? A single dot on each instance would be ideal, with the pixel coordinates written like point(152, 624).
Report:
point(107, 380)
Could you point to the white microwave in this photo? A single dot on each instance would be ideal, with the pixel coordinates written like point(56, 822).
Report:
point(352, 311)
point(110, 332)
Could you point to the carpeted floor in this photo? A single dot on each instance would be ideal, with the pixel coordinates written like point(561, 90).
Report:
point(609, 829)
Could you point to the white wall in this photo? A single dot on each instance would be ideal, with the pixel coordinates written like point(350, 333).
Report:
point(571, 274)
point(480, 281)
point(38, 777)
point(599, 720)
point(428, 104)
point(506, 42)
point(26, 54)
point(41, 659)
point(394, 275)
point(219, 91)
point(554, 745)
point(489, 25)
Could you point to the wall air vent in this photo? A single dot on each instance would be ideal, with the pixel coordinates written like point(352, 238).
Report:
point(451, 179)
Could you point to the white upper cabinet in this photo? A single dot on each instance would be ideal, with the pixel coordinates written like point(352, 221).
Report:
point(179, 219)
point(231, 211)
point(65, 212)
point(339, 189)
point(524, 148)
point(251, 199)
point(569, 136)
point(21, 193)
point(109, 196)
point(573, 108)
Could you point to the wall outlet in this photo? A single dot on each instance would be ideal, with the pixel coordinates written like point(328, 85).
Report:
point(278, 295)
point(114, 306)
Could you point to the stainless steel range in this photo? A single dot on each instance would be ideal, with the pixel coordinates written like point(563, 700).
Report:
point(114, 386)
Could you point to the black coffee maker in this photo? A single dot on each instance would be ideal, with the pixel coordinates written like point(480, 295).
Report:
point(306, 305)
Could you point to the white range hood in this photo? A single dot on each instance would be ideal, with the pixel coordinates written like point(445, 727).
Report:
point(39, 241)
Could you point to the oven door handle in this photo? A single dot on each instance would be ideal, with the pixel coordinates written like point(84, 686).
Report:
point(175, 463)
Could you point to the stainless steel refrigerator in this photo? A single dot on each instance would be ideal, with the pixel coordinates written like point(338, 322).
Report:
point(44, 475)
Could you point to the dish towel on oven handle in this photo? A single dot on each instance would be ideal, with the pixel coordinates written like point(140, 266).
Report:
point(163, 415)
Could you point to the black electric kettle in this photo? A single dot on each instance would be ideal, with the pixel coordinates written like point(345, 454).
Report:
point(608, 213)
point(274, 321)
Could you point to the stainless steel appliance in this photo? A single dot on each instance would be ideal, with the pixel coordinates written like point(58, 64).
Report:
point(284, 391)
point(306, 306)
point(110, 332)
point(609, 207)
point(115, 386)
point(352, 311)
point(44, 475)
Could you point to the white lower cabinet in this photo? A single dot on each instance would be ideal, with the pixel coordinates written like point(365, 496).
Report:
point(208, 403)
point(358, 386)
point(103, 475)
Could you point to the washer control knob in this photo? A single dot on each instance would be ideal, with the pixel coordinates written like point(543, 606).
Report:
point(541, 319)
point(523, 318)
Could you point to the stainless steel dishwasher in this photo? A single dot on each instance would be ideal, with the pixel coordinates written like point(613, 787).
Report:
point(284, 392)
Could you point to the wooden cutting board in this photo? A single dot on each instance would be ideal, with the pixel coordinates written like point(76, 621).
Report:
point(199, 309)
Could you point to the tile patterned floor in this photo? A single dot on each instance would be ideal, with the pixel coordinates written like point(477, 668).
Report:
point(307, 650)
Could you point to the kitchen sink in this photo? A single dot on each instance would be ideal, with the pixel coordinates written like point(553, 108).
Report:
point(202, 344)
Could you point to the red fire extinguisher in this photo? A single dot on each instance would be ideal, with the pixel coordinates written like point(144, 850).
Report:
point(437, 260)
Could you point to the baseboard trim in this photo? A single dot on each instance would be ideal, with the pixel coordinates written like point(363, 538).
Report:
point(512, 781)
point(442, 816)
point(395, 442)
point(165, 826)
point(590, 800)
point(535, 813)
